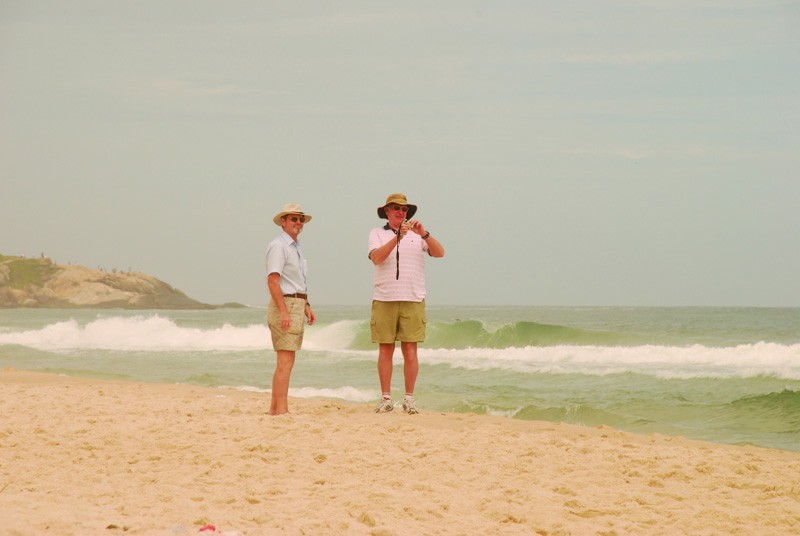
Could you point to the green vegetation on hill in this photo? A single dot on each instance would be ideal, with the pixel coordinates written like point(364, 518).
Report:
point(26, 272)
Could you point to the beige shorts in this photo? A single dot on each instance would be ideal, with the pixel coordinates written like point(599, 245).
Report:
point(398, 321)
point(292, 338)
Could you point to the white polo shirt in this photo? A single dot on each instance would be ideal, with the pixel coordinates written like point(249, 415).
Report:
point(285, 257)
point(410, 286)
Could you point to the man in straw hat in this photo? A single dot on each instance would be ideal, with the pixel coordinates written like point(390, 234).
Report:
point(398, 299)
point(288, 307)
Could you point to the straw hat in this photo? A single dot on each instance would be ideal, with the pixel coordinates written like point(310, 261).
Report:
point(399, 199)
point(290, 208)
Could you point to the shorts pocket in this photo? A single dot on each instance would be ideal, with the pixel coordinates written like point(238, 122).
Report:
point(297, 314)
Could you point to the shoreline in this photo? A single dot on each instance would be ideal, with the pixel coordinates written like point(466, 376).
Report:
point(89, 456)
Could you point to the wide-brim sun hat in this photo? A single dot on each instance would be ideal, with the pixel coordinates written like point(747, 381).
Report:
point(290, 208)
point(399, 199)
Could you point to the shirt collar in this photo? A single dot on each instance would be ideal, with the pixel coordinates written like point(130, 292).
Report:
point(288, 239)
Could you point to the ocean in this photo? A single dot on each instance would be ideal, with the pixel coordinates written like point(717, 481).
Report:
point(727, 375)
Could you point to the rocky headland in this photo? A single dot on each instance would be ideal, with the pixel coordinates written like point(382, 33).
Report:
point(40, 282)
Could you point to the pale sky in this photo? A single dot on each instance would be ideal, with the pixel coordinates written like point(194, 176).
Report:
point(564, 152)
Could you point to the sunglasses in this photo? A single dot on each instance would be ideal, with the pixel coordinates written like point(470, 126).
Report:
point(295, 219)
point(401, 208)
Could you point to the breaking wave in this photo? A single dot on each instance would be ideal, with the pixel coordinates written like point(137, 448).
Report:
point(524, 347)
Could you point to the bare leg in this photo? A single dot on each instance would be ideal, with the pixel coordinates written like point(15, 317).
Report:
point(410, 365)
point(385, 353)
point(280, 382)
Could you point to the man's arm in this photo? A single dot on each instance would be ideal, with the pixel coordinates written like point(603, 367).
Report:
point(275, 292)
point(380, 254)
point(435, 248)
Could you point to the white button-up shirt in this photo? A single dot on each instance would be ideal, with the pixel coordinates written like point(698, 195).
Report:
point(285, 257)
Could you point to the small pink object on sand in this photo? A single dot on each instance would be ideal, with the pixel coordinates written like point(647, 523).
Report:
point(212, 528)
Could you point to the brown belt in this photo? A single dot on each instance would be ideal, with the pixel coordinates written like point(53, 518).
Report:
point(297, 295)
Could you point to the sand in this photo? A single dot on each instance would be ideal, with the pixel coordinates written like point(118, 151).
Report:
point(88, 456)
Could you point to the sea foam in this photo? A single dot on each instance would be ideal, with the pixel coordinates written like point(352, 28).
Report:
point(139, 333)
point(667, 362)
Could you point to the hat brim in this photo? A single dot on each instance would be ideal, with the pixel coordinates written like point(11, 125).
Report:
point(412, 209)
point(277, 218)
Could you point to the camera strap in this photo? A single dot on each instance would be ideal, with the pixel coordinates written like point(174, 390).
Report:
point(397, 254)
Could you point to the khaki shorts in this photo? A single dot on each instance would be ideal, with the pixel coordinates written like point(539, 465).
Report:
point(402, 321)
point(292, 338)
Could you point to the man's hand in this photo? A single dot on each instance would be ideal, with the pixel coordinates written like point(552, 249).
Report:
point(286, 320)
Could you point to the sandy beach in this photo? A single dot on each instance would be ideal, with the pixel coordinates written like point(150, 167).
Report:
point(87, 456)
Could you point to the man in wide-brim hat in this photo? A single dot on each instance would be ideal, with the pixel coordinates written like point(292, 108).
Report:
point(287, 273)
point(398, 301)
